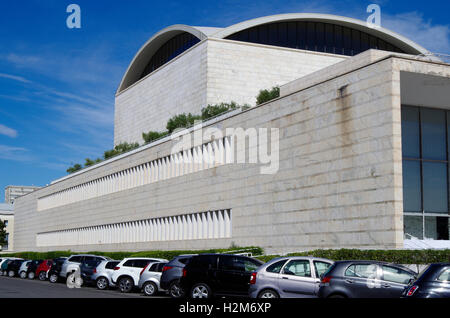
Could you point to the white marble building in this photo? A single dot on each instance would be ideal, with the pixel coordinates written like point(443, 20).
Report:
point(362, 152)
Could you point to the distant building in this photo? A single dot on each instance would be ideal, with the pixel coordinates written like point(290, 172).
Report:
point(7, 216)
point(13, 192)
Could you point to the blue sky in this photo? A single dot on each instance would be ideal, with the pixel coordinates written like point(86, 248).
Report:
point(57, 85)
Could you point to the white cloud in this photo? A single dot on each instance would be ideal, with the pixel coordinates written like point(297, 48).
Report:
point(15, 78)
point(14, 153)
point(433, 37)
point(8, 131)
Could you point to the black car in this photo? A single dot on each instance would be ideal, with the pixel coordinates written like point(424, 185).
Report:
point(13, 267)
point(55, 269)
point(31, 270)
point(171, 274)
point(365, 279)
point(87, 269)
point(209, 275)
point(433, 282)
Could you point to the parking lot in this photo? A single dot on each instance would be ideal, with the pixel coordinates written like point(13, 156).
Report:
point(25, 288)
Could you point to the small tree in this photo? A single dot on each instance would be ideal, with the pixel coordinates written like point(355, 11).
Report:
point(214, 110)
point(267, 95)
point(181, 121)
point(90, 162)
point(120, 149)
point(3, 233)
point(74, 168)
point(153, 135)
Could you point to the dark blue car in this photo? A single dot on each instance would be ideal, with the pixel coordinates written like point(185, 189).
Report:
point(433, 282)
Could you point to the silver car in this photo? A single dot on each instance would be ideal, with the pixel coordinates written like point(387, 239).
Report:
point(288, 277)
point(150, 279)
point(102, 274)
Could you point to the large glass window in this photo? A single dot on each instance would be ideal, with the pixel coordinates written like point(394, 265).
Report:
point(425, 137)
point(171, 49)
point(313, 36)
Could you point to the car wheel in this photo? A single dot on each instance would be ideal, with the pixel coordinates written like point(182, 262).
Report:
point(125, 285)
point(53, 278)
point(337, 296)
point(102, 283)
point(268, 293)
point(11, 274)
point(201, 291)
point(175, 290)
point(23, 275)
point(42, 276)
point(31, 275)
point(150, 289)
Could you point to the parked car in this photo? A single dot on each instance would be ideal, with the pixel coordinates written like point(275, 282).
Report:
point(103, 273)
point(12, 269)
point(4, 265)
point(23, 269)
point(43, 268)
point(73, 263)
point(208, 275)
point(433, 282)
point(171, 274)
point(126, 273)
point(32, 267)
point(149, 281)
point(55, 269)
point(288, 277)
point(87, 269)
point(365, 279)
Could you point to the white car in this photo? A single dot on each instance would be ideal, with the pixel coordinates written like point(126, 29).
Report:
point(71, 264)
point(23, 269)
point(127, 273)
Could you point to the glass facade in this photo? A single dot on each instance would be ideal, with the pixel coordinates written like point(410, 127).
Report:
point(314, 36)
point(170, 50)
point(425, 144)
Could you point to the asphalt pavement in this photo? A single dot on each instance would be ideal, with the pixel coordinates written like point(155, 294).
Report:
point(25, 288)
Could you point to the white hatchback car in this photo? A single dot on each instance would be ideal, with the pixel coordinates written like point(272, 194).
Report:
point(127, 273)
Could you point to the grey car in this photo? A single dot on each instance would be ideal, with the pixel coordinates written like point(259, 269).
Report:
point(288, 277)
point(172, 272)
point(365, 279)
point(102, 274)
point(150, 279)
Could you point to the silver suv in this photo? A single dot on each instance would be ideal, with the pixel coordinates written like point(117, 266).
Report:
point(102, 274)
point(288, 277)
point(71, 264)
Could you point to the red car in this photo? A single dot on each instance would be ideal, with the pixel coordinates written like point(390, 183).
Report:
point(43, 268)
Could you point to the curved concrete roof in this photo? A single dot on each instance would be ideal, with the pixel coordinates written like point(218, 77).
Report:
point(137, 65)
point(142, 57)
point(396, 39)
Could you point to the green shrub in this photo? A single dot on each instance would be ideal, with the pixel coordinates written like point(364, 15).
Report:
point(267, 95)
point(74, 168)
point(214, 110)
point(181, 121)
point(120, 149)
point(153, 135)
point(394, 256)
point(90, 162)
